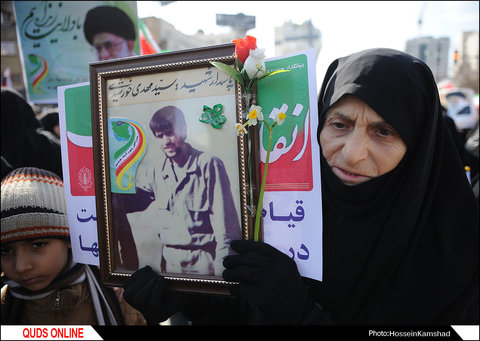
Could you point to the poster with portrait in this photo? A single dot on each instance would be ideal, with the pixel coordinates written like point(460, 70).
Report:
point(171, 175)
point(56, 42)
point(292, 214)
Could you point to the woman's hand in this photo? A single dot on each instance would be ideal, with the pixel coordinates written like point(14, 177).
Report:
point(269, 280)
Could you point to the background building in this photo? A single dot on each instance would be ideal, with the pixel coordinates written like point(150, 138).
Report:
point(292, 37)
point(466, 64)
point(169, 38)
point(289, 37)
point(433, 52)
point(10, 54)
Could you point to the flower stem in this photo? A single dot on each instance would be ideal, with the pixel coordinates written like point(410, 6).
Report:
point(262, 188)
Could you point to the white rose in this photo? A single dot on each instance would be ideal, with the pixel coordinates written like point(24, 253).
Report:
point(255, 63)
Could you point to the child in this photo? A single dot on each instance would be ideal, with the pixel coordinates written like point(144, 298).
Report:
point(44, 285)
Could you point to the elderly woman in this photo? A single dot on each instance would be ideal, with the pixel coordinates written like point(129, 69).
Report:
point(400, 219)
point(401, 223)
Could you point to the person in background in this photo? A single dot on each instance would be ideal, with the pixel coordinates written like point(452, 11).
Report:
point(471, 147)
point(110, 31)
point(400, 221)
point(41, 283)
point(50, 122)
point(24, 141)
point(456, 136)
point(6, 167)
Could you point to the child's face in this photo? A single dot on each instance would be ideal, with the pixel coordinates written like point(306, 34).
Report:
point(34, 264)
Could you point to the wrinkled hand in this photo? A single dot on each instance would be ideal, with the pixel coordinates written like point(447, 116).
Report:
point(145, 291)
point(269, 280)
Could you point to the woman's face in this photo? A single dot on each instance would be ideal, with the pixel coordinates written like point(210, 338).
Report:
point(357, 142)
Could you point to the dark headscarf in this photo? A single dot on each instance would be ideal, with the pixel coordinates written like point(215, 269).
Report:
point(401, 248)
point(24, 142)
point(50, 121)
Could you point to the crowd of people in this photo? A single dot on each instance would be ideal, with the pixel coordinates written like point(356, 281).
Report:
point(400, 221)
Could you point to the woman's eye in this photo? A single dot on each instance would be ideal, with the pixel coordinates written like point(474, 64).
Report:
point(338, 125)
point(385, 132)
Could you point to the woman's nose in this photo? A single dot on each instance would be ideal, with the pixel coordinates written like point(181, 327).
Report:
point(355, 148)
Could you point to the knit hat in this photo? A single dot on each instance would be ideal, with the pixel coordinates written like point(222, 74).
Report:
point(33, 206)
point(108, 19)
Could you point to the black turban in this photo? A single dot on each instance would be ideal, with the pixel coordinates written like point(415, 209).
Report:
point(108, 19)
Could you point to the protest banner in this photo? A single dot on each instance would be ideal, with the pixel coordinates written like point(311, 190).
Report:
point(52, 43)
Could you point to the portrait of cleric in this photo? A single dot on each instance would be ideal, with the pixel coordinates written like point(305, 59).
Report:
point(110, 32)
point(182, 216)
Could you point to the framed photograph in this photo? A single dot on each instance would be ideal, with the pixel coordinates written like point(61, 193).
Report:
point(174, 184)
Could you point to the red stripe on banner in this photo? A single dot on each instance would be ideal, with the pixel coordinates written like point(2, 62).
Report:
point(80, 163)
point(145, 46)
point(287, 175)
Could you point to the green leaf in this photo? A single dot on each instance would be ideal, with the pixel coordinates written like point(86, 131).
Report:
point(265, 75)
point(245, 77)
point(232, 72)
point(239, 64)
point(251, 84)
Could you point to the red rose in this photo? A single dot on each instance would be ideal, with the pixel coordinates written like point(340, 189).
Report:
point(243, 47)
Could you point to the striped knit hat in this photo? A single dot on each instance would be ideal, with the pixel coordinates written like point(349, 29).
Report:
point(33, 206)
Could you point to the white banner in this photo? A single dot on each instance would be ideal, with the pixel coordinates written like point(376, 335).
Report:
point(292, 204)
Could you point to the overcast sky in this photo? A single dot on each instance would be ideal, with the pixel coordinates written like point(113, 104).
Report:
point(346, 27)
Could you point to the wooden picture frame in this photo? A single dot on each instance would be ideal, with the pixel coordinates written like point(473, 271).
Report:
point(166, 197)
